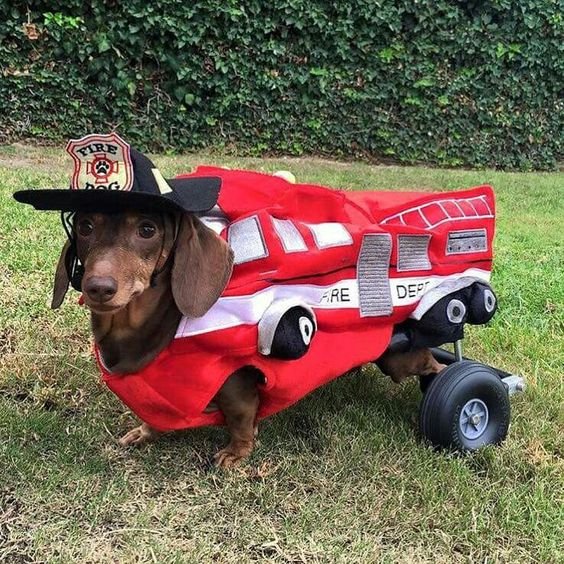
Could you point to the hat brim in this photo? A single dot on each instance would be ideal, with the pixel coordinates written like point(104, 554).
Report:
point(197, 194)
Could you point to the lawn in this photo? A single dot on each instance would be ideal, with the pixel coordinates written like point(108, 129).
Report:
point(340, 477)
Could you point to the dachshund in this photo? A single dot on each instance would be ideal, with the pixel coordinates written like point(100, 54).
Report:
point(142, 273)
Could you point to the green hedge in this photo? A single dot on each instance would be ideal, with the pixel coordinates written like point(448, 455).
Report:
point(474, 82)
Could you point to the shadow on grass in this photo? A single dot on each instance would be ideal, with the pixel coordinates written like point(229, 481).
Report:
point(362, 403)
point(53, 428)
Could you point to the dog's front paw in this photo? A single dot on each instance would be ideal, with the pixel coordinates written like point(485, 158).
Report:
point(232, 455)
point(139, 436)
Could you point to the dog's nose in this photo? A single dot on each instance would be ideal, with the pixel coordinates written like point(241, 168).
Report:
point(100, 288)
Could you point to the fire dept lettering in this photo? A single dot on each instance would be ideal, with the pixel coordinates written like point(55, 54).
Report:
point(336, 295)
point(412, 290)
point(101, 162)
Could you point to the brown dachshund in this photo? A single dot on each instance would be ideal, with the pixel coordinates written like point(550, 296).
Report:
point(134, 318)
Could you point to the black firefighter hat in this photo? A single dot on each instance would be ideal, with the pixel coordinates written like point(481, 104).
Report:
point(111, 176)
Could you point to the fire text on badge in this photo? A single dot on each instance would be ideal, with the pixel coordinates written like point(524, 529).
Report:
point(101, 162)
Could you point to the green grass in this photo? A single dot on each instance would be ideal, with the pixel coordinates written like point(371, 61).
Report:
point(341, 477)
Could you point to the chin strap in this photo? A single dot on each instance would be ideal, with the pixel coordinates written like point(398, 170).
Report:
point(75, 270)
point(168, 260)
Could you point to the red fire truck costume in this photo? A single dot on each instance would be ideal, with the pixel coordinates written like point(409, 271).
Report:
point(356, 265)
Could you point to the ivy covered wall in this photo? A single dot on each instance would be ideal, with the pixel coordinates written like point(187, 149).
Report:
point(459, 82)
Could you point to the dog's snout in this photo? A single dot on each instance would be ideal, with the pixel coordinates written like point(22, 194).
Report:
point(100, 288)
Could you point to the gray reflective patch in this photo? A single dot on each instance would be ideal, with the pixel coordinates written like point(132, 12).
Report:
point(290, 237)
point(215, 219)
point(468, 241)
point(372, 273)
point(330, 234)
point(246, 240)
point(413, 252)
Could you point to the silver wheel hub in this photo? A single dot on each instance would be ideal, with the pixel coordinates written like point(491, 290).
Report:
point(489, 300)
point(455, 311)
point(473, 419)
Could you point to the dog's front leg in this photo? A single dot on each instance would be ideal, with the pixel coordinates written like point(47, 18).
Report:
point(139, 436)
point(238, 399)
point(400, 366)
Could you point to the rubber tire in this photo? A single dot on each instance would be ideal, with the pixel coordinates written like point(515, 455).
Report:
point(446, 396)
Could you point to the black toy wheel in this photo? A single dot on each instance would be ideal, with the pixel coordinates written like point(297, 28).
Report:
point(482, 304)
point(293, 334)
point(465, 407)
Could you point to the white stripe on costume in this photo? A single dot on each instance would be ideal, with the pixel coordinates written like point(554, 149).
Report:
point(232, 311)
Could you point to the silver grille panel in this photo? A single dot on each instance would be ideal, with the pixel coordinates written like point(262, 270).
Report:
point(468, 241)
point(413, 252)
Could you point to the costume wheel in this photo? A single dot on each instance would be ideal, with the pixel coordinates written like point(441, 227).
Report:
point(293, 334)
point(482, 304)
point(465, 407)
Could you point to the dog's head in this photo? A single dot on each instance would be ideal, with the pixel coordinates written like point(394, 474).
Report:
point(123, 254)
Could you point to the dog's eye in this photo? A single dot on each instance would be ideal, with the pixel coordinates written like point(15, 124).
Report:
point(146, 230)
point(85, 228)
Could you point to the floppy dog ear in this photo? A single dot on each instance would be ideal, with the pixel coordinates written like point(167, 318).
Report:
point(61, 284)
point(202, 267)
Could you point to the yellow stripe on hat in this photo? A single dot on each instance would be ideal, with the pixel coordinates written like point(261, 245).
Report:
point(163, 185)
